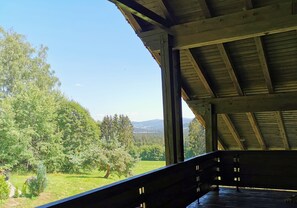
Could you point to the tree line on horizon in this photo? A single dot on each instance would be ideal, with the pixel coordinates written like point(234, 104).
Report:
point(39, 124)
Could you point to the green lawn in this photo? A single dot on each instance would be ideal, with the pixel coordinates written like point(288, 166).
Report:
point(64, 185)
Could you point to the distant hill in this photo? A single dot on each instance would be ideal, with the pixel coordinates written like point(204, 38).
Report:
point(155, 126)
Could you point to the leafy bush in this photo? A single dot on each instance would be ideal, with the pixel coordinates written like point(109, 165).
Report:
point(16, 193)
point(36, 184)
point(4, 189)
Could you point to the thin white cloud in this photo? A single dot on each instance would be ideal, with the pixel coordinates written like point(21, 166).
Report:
point(78, 85)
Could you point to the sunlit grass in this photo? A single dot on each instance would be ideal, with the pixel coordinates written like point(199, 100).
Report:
point(64, 185)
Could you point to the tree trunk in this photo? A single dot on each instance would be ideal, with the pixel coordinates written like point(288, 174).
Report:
point(107, 172)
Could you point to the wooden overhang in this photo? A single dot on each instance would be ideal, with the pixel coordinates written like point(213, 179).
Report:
point(237, 56)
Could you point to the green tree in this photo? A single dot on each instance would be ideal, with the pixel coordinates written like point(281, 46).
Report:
point(118, 126)
point(28, 103)
point(80, 136)
point(115, 159)
point(117, 146)
point(32, 132)
point(195, 142)
point(22, 65)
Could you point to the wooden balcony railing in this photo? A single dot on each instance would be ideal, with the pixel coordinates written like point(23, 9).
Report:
point(172, 186)
point(180, 184)
point(260, 169)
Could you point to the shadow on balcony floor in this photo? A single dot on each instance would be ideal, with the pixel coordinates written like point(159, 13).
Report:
point(246, 198)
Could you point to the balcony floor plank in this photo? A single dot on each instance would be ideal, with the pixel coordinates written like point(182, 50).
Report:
point(247, 198)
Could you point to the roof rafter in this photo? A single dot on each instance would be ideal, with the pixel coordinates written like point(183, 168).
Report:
point(206, 84)
point(130, 18)
point(205, 8)
point(233, 130)
point(282, 129)
point(263, 62)
point(142, 12)
point(167, 11)
point(265, 68)
point(200, 73)
point(229, 66)
point(232, 74)
point(256, 129)
point(248, 4)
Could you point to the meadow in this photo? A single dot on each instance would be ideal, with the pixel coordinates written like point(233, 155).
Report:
point(63, 185)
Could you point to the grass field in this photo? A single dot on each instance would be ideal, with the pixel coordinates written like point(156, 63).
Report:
point(64, 185)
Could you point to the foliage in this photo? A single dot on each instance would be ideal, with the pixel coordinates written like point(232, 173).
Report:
point(142, 139)
point(63, 185)
point(16, 193)
point(195, 142)
point(80, 135)
point(117, 146)
point(152, 152)
point(118, 126)
point(4, 189)
point(36, 184)
point(28, 103)
point(116, 159)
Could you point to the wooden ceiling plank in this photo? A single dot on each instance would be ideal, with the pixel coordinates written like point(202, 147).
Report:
point(256, 130)
point(237, 26)
point(282, 129)
point(199, 72)
point(233, 130)
point(253, 103)
point(142, 12)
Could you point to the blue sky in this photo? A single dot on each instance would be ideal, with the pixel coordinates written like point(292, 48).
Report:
point(97, 56)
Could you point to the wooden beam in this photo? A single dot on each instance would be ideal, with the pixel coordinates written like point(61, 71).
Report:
point(248, 4)
point(205, 8)
point(263, 62)
point(171, 88)
point(256, 130)
point(130, 18)
point(211, 136)
point(233, 130)
point(142, 12)
point(294, 6)
point(225, 57)
point(230, 68)
point(167, 11)
point(282, 129)
point(251, 116)
point(265, 68)
point(237, 26)
point(253, 103)
point(199, 72)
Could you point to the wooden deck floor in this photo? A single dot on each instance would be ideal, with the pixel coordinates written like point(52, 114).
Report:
point(246, 198)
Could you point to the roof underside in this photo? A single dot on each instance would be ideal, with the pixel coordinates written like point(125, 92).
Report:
point(231, 49)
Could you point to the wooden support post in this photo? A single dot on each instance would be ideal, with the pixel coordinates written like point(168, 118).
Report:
point(171, 89)
point(211, 137)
